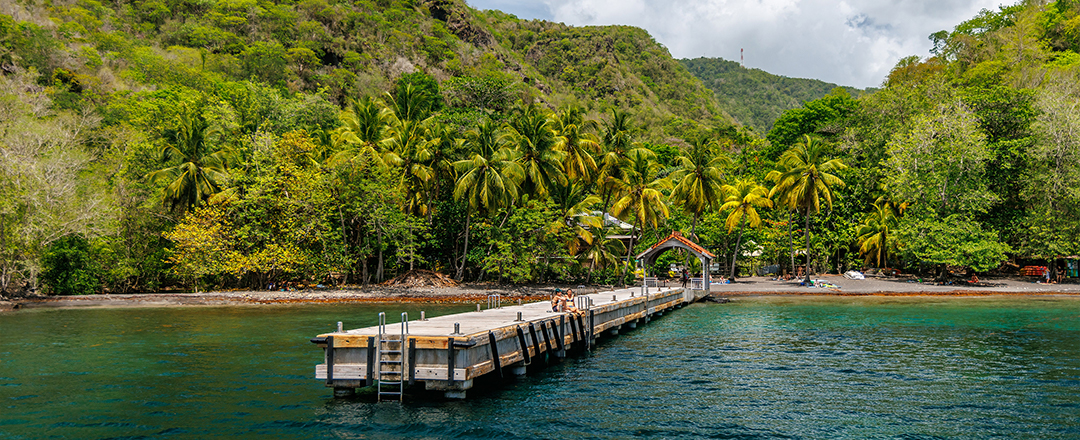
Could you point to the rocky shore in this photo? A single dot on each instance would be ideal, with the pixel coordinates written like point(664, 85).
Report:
point(477, 293)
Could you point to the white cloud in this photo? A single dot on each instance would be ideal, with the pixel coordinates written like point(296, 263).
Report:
point(850, 42)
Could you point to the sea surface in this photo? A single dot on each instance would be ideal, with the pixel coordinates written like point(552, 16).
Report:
point(757, 368)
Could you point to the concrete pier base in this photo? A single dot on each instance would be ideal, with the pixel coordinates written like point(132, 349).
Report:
point(517, 369)
point(632, 325)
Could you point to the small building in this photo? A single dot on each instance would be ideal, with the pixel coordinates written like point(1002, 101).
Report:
point(676, 240)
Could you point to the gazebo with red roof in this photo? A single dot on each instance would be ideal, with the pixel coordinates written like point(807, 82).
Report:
point(676, 240)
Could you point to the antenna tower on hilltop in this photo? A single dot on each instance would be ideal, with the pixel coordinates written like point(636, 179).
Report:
point(742, 62)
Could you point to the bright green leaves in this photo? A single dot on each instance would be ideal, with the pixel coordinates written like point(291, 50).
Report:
point(940, 161)
point(953, 240)
point(823, 116)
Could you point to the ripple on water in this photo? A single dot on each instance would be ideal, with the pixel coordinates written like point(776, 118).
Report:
point(753, 369)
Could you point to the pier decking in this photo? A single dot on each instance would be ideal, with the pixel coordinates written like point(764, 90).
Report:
point(447, 353)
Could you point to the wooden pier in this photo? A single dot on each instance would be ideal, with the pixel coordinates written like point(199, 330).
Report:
point(448, 353)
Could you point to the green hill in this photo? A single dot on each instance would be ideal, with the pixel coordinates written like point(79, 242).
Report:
point(347, 49)
point(755, 97)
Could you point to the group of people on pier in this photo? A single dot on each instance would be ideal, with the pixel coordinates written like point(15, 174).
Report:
point(563, 301)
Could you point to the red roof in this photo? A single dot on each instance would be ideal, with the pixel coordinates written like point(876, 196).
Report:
point(677, 236)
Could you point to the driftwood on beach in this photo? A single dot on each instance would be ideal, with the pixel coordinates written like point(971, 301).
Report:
point(421, 278)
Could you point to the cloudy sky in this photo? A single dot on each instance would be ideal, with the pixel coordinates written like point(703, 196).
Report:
point(848, 42)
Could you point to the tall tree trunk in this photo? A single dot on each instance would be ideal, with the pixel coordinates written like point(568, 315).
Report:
point(412, 251)
point(807, 234)
point(885, 250)
point(742, 224)
point(791, 239)
point(629, 252)
point(379, 265)
point(693, 229)
point(364, 275)
point(461, 268)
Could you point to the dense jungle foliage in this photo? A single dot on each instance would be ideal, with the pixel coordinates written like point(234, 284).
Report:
point(754, 97)
point(244, 143)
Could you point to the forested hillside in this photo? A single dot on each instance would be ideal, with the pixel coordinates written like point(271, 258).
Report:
point(245, 143)
point(755, 97)
point(120, 118)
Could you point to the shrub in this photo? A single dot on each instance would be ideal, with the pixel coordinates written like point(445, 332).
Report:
point(69, 268)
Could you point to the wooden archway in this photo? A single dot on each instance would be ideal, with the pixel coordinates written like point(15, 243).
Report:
point(676, 240)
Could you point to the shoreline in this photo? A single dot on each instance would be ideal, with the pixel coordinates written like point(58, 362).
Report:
point(470, 294)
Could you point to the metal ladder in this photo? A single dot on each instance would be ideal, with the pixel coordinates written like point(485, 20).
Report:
point(392, 361)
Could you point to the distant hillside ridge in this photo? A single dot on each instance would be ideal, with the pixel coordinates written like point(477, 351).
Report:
point(754, 97)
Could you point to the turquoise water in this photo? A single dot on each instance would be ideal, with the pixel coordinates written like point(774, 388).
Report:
point(757, 368)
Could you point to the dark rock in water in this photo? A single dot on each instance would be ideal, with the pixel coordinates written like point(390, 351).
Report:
point(716, 299)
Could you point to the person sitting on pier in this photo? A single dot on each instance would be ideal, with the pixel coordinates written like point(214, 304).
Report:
point(556, 300)
point(571, 303)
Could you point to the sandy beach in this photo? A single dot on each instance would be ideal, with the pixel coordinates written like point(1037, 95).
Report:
point(477, 293)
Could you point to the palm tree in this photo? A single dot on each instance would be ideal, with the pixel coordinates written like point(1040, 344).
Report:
point(363, 124)
point(488, 180)
point(444, 145)
point(699, 177)
point(598, 250)
point(531, 134)
point(640, 193)
point(616, 141)
point(408, 104)
point(574, 205)
point(742, 199)
point(807, 180)
point(409, 149)
point(202, 168)
point(778, 194)
point(874, 235)
point(576, 142)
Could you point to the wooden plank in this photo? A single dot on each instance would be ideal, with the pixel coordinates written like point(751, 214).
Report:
point(523, 346)
point(347, 341)
point(488, 366)
point(544, 331)
point(329, 360)
point(536, 342)
point(494, 345)
point(450, 359)
point(341, 371)
point(411, 361)
point(370, 361)
point(437, 372)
